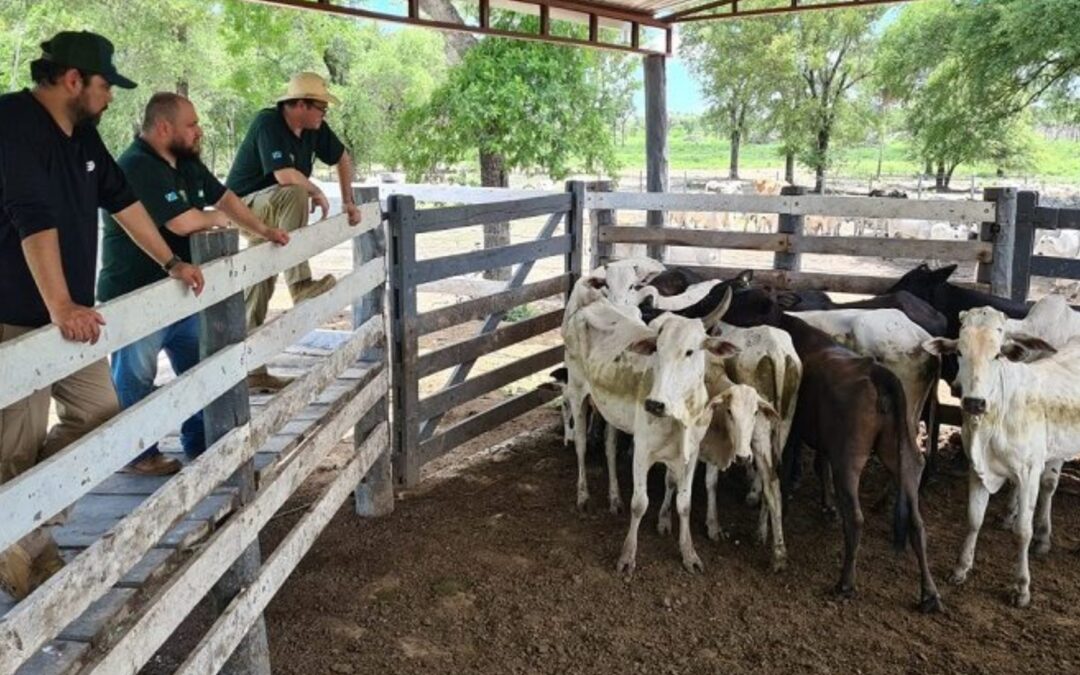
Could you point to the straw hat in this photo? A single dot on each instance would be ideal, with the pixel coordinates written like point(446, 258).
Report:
point(308, 85)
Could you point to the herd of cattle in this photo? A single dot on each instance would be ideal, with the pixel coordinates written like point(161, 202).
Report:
point(721, 371)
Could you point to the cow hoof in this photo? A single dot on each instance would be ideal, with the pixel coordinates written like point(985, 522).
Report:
point(615, 506)
point(1021, 598)
point(663, 526)
point(829, 513)
point(958, 577)
point(717, 533)
point(583, 504)
point(779, 564)
point(932, 605)
point(843, 591)
point(693, 563)
point(625, 566)
point(1041, 548)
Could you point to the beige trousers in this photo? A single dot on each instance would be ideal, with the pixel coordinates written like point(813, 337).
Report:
point(84, 400)
point(286, 207)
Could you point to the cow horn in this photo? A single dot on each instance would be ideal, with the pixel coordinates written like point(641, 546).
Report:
point(713, 317)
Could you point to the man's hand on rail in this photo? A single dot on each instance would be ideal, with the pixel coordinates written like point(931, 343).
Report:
point(353, 212)
point(276, 235)
point(190, 275)
point(78, 323)
point(319, 199)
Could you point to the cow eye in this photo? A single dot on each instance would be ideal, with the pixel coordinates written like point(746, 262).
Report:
point(689, 353)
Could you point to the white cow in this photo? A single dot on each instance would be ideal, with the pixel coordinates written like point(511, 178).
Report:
point(1018, 419)
point(891, 339)
point(1060, 244)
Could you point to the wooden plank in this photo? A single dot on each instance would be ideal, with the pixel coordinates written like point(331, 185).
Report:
point(489, 381)
point(59, 657)
point(473, 426)
point(468, 350)
point(183, 592)
point(1027, 203)
point(792, 226)
point(951, 415)
point(1058, 268)
point(72, 589)
point(223, 637)
point(672, 236)
point(457, 194)
point(84, 534)
point(1050, 218)
point(956, 251)
point(441, 319)
point(112, 608)
point(1004, 238)
point(598, 220)
point(50, 486)
point(851, 207)
point(137, 314)
point(406, 342)
point(448, 218)
point(474, 261)
point(819, 281)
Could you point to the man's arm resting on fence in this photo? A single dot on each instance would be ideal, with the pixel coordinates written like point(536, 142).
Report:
point(238, 212)
point(291, 176)
point(345, 178)
point(142, 230)
point(76, 322)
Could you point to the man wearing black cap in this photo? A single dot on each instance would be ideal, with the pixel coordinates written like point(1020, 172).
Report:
point(55, 173)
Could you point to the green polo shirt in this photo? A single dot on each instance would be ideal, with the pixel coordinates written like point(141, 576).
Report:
point(270, 145)
point(166, 192)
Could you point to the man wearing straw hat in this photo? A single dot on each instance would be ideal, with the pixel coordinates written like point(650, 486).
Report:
point(55, 173)
point(272, 173)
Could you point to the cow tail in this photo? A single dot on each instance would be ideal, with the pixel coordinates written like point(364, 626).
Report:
point(891, 401)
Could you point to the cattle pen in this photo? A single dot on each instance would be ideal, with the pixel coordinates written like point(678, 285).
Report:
point(145, 551)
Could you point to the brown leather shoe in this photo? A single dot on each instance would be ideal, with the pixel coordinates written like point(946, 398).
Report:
point(154, 465)
point(16, 572)
point(262, 381)
point(305, 290)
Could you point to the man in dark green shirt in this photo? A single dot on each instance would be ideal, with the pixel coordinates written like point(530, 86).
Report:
point(163, 168)
point(271, 174)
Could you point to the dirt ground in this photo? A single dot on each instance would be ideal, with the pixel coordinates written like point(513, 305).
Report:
point(493, 570)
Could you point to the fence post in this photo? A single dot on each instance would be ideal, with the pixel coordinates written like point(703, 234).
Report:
point(401, 221)
point(601, 250)
point(222, 325)
point(375, 494)
point(1024, 246)
point(575, 229)
point(791, 225)
point(1002, 233)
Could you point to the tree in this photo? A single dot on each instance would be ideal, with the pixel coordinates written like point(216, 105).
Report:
point(736, 62)
point(515, 105)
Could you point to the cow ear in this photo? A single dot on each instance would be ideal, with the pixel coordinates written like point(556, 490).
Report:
point(597, 282)
point(940, 346)
point(743, 279)
point(942, 274)
point(645, 346)
point(1023, 347)
point(720, 348)
point(766, 409)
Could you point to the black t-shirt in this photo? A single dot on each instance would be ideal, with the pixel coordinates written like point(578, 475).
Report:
point(166, 193)
point(50, 181)
point(271, 145)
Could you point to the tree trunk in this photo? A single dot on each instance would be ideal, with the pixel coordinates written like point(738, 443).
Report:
point(940, 182)
point(929, 169)
point(493, 174)
point(820, 161)
point(880, 155)
point(789, 168)
point(948, 176)
point(456, 43)
point(733, 168)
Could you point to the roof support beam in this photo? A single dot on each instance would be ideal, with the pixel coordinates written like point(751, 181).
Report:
point(598, 15)
point(737, 11)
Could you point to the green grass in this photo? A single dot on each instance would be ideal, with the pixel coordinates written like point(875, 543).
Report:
point(1052, 159)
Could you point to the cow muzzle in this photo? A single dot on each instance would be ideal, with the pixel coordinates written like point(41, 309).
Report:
point(973, 406)
point(654, 407)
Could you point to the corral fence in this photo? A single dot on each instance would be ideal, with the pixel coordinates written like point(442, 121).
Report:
point(1030, 220)
point(417, 436)
point(227, 564)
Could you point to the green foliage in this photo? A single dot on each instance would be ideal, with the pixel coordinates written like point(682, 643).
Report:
point(535, 105)
point(519, 313)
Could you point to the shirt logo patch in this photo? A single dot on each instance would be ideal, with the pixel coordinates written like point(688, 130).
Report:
point(171, 197)
point(275, 154)
point(90, 166)
point(202, 195)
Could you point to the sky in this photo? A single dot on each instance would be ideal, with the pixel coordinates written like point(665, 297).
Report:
point(683, 91)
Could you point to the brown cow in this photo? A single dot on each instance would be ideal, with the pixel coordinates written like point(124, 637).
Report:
point(848, 406)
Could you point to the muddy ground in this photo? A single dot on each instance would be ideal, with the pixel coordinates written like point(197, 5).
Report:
point(494, 571)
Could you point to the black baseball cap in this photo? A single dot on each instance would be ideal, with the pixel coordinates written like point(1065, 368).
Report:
point(86, 51)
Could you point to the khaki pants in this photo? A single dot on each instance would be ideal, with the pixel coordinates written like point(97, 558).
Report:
point(286, 207)
point(84, 400)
